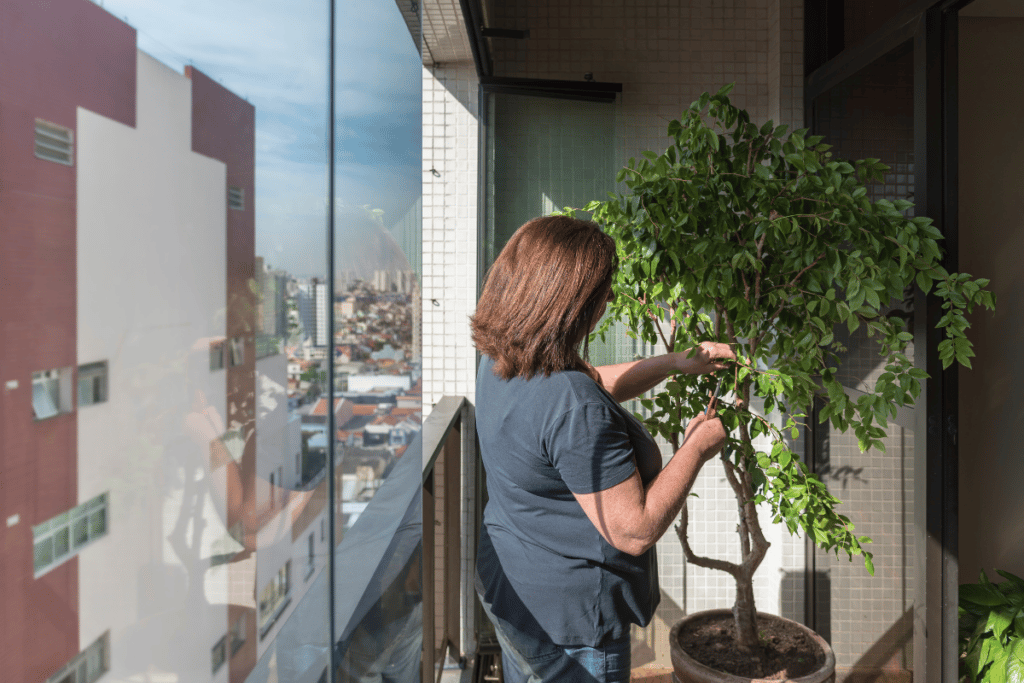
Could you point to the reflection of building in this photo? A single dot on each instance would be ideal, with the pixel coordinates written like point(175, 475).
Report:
point(271, 313)
point(394, 281)
point(134, 475)
point(312, 304)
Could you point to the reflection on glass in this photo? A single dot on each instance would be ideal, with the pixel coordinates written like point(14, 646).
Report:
point(377, 395)
point(168, 384)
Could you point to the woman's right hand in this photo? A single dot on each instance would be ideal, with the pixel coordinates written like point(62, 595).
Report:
point(706, 434)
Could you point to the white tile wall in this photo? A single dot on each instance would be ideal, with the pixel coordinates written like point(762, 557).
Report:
point(450, 152)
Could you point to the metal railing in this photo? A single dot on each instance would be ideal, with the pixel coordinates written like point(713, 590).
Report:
point(442, 437)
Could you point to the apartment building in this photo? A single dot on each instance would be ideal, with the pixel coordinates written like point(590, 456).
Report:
point(148, 514)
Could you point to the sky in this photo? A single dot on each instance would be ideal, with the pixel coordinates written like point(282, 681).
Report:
point(275, 54)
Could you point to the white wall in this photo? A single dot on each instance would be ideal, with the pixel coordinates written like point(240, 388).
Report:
point(274, 447)
point(151, 291)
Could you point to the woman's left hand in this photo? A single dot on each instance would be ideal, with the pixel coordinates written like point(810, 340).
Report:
point(706, 357)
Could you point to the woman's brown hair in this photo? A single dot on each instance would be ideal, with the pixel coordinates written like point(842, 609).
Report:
point(541, 295)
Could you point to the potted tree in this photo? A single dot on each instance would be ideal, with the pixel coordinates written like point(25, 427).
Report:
point(747, 235)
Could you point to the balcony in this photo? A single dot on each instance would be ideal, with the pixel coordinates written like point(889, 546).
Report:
point(241, 244)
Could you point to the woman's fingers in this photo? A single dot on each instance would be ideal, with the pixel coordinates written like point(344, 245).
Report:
point(715, 351)
point(710, 437)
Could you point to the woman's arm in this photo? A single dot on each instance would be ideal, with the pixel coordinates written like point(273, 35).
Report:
point(629, 380)
point(633, 517)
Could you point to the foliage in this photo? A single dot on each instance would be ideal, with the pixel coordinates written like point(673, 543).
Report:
point(747, 235)
point(992, 630)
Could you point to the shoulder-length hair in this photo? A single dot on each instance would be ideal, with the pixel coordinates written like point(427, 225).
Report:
point(541, 295)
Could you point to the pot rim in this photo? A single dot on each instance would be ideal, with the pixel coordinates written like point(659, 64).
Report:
point(681, 659)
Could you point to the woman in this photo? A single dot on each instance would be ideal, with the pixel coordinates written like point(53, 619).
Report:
point(577, 494)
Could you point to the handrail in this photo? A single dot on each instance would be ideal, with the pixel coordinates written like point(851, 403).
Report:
point(442, 533)
point(436, 427)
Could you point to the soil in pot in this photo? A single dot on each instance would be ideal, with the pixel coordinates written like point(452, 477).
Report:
point(787, 651)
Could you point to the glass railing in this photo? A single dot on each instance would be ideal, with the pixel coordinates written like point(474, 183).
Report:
point(198, 410)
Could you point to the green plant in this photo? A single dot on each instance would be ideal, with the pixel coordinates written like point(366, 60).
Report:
point(992, 630)
point(750, 236)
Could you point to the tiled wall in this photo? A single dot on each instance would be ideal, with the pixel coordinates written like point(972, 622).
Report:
point(450, 154)
point(450, 151)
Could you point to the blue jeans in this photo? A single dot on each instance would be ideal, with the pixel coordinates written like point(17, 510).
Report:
point(526, 658)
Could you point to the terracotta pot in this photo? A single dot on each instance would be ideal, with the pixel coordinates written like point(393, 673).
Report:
point(689, 670)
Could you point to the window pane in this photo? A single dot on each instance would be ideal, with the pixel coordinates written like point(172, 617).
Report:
point(194, 302)
point(44, 399)
point(80, 528)
point(86, 391)
point(61, 545)
point(42, 553)
point(97, 523)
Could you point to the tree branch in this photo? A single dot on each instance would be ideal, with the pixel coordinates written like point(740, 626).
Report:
point(661, 333)
point(737, 489)
point(793, 282)
point(700, 561)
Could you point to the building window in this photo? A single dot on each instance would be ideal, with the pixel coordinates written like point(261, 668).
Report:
point(62, 537)
point(51, 392)
point(92, 383)
point(236, 198)
point(88, 665)
point(54, 143)
point(219, 654)
point(238, 634)
point(310, 560)
point(217, 355)
point(274, 598)
point(236, 351)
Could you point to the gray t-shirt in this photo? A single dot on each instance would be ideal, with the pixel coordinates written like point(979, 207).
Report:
point(541, 563)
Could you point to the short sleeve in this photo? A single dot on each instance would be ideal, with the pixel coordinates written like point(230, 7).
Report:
point(590, 448)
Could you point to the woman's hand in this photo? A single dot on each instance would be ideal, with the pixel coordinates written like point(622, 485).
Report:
point(705, 357)
point(706, 434)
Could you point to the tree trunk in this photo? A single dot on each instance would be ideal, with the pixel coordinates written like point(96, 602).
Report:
point(746, 620)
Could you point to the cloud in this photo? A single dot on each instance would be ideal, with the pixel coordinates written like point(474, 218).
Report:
point(275, 55)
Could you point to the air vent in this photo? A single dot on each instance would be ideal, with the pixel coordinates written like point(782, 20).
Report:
point(236, 198)
point(54, 143)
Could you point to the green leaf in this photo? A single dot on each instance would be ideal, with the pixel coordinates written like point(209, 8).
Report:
point(981, 595)
point(1015, 663)
point(998, 622)
point(924, 281)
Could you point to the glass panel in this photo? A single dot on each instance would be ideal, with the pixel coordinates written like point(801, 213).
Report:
point(216, 327)
point(861, 18)
point(60, 543)
point(44, 398)
point(86, 390)
point(991, 404)
point(169, 103)
point(42, 553)
point(375, 340)
point(544, 154)
point(868, 620)
point(98, 523)
point(81, 531)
